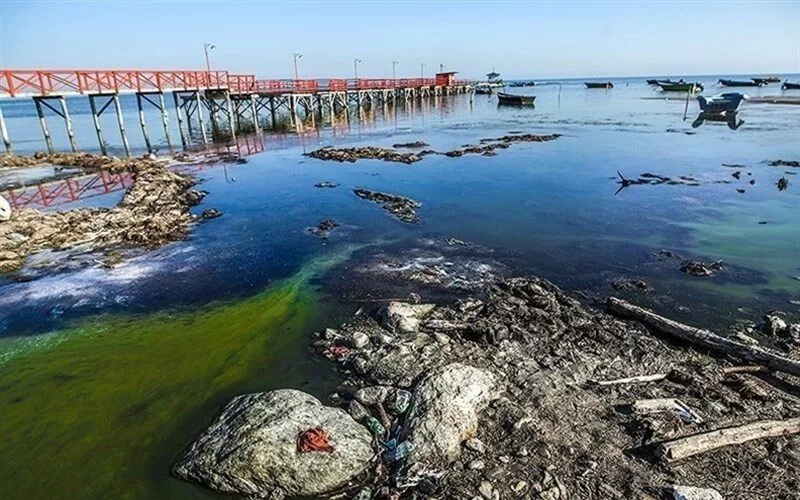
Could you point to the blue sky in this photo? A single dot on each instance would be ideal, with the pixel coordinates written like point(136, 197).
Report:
point(519, 39)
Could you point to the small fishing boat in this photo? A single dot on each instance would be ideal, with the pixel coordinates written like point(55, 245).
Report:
point(739, 83)
point(483, 88)
point(599, 85)
point(681, 87)
point(767, 79)
point(515, 100)
point(721, 103)
point(659, 82)
point(522, 84)
point(790, 86)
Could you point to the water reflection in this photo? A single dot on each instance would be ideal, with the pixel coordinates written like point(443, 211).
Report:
point(729, 117)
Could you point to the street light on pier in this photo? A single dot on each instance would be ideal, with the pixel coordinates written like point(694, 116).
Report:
point(296, 57)
point(356, 62)
point(207, 47)
point(394, 73)
point(422, 70)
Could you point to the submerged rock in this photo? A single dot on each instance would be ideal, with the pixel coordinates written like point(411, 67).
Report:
point(445, 410)
point(697, 268)
point(252, 448)
point(784, 163)
point(401, 207)
point(411, 145)
point(368, 153)
point(210, 213)
point(326, 184)
point(324, 228)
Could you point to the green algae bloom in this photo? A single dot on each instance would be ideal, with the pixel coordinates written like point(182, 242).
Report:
point(103, 408)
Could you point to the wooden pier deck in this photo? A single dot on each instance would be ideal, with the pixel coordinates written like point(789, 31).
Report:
point(231, 100)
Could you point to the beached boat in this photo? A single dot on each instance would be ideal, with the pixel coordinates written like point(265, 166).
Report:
point(739, 83)
point(515, 100)
point(721, 103)
point(790, 86)
point(681, 87)
point(599, 85)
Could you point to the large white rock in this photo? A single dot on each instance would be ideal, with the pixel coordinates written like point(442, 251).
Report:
point(251, 449)
point(402, 317)
point(5, 210)
point(680, 492)
point(444, 411)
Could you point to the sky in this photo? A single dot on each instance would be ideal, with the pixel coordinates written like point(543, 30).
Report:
point(520, 39)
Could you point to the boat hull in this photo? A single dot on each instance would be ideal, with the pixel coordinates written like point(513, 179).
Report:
point(681, 87)
point(515, 100)
point(736, 83)
point(601, 85)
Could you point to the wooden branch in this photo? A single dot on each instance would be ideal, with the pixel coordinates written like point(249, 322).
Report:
point(704, 338)
point(743, 369)
point(656, 377)
point(676, 406)
point(678, 449)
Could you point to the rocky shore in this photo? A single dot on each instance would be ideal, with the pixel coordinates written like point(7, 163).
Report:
point(400, 207)
point(519, 391)
point(153, 212)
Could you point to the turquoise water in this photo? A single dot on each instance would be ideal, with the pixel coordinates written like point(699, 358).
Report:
point(552, 208)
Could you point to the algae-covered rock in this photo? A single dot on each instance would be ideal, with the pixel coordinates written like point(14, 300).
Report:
point(251, 449)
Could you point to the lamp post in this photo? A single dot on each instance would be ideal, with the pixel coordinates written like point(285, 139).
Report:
point(207, 47)
point(394, 73)
point(422, 71)
point(356, 62)
point(296, 57)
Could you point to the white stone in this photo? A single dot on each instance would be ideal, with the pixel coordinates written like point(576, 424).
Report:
point(680, 492)
point(444, 412)
point(402, 317)
point(251, 448)
point(360, 339)
point(5, 209)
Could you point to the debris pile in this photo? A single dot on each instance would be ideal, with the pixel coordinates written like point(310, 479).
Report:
point(366, 153)
point(571, 403)
point(153, 212)
point(400, 207)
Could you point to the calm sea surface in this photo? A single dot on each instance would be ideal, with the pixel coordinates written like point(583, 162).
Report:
point(105, 375)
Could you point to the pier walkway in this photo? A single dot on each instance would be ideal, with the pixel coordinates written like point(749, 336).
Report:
point(232, 101)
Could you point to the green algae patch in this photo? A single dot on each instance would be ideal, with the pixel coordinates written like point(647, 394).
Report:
point(103, 408)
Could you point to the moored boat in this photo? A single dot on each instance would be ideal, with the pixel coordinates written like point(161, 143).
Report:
point(681, 87)
point(721, 103)
point(599, 85)
point(739, 83)
point(790, 86)
point(515, 100)
point(659, 82)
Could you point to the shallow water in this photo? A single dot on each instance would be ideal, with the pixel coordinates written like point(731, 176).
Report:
point(171, 334)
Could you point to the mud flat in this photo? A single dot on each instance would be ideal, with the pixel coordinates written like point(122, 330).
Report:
point(154, 211)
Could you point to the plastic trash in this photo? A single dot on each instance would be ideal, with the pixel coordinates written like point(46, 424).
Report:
point(364, 493)
point(397, 452)
point(401, 401)
point(375, 427)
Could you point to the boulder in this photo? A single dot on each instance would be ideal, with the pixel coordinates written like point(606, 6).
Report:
point(251, 449)
point(774, 325)
point(680, 492)
point(5, 209)
point(402, 317)
point(444, 411)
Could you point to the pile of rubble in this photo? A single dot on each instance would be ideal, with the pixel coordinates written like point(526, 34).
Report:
point(153, 212)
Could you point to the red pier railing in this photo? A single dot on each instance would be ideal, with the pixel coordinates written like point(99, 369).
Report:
point(67, 190)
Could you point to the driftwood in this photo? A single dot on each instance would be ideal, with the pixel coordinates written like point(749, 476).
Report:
point(684, 447)
point(704, 338)
point(657, 377)
point(728, 370)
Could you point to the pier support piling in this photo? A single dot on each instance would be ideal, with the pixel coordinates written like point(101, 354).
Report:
point(142, 122)
point(180, 119)
point(43, 123)
point(164, 118)
point(121, 123)
point(254, 110)
point(200, 117)
point(68, 124)
point(96, 120)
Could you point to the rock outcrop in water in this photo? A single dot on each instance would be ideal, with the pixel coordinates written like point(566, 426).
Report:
point(252, 448)
point(365, 153)
point(153, 212)
point(399, 206)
